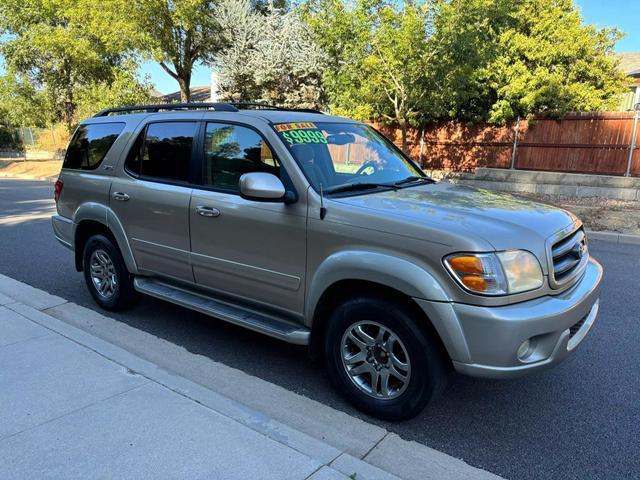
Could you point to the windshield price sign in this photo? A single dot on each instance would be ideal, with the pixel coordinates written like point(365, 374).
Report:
point(300, 132)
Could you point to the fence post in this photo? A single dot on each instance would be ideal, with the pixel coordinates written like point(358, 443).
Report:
point(515, 143)
point(421, 146)
point(634, 137)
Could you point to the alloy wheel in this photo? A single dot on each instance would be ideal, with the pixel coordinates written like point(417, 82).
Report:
point(375, 360)
point(103, 274)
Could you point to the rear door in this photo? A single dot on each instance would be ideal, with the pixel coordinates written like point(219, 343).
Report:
point(251, 250)
point(151, 197)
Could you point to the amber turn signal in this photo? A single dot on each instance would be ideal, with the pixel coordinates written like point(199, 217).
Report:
point(472, 282)
point(466, 264)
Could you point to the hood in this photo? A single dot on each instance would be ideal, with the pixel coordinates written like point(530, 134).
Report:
point(502, 220)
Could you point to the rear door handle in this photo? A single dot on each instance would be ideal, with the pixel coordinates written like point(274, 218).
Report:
point(123, 197)
point(207, 211)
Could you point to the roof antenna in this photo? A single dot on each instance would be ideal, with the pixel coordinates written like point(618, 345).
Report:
point(323, 211)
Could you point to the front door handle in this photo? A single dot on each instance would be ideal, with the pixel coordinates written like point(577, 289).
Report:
point(123, 197)
point(207, 211)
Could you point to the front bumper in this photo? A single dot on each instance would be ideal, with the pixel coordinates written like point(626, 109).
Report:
point(484, 341)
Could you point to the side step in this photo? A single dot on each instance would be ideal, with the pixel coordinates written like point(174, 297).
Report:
point(274, 327)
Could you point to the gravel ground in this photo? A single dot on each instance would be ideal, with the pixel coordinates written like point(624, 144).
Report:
point(600, 214)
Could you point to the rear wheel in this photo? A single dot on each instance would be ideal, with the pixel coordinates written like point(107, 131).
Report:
point(381, 360)
point(106, 275)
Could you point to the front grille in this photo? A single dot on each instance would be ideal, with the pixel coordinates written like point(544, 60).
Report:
point(570, 256)
point(577, 326)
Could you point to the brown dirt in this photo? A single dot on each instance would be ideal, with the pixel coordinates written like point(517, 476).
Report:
point(32, 169)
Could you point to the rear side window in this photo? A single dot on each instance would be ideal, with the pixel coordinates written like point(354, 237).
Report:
point(163, 151)
point(90, 144)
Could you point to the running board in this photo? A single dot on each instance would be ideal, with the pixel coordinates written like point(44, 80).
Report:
point(274, 327)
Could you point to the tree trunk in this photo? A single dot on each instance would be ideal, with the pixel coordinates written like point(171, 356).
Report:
point(69, 109)
point(185, 88)
point(403, 129)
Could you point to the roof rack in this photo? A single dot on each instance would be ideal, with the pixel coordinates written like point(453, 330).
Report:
point(220, 107)
point(217, 106)
point(267, 106)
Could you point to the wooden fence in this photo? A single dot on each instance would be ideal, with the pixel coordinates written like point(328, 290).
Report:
point(580, 143)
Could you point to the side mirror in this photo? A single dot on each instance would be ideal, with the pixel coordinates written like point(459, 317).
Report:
point(261, 186)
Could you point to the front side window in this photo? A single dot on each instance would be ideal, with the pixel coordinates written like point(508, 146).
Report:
point(165, 152)
point(231, 151)
point(90, 145)
point(337, 155)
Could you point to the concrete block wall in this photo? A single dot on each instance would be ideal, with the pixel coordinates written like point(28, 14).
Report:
point(551, 183)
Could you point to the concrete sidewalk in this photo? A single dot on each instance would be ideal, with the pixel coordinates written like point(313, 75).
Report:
point(75, 406)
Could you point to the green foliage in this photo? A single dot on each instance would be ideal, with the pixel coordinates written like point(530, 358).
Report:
point(175, 33)
point(124, 89)
point(463, 59)
point(22, 104)
point(550, 63)
point(380, 57)
point(407, 62)
point(58, 45)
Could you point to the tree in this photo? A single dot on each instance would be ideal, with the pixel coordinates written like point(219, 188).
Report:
point(501, 59)
point(550, 63)
point(177, 34)
point(122, 90)
point(269, 56)
point(22, 104)
point(397, 71)
point(381, 57)
point(493, 60)
point(53, 43)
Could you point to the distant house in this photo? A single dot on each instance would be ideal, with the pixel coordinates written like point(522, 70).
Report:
point(198, 94)
point(630, 64)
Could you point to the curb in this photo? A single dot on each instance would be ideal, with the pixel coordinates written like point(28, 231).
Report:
point(336, 461)
point(614, 237)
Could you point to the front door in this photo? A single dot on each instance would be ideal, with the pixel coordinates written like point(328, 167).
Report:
point(151, 198)
point(251, 250)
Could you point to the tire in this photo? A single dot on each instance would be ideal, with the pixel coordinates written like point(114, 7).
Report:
point(103, 257)
point(414, 355)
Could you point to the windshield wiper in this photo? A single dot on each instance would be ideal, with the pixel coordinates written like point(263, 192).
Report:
point(414, 178)
point(352, 187)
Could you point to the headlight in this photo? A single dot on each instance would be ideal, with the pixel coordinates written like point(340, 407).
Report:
point(500, 273)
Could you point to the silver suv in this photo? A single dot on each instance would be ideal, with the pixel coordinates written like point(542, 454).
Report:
point(318, 231)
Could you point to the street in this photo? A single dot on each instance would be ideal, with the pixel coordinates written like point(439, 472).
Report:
point(579, 420)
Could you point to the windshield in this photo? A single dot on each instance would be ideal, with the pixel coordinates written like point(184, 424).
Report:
point(336, 156)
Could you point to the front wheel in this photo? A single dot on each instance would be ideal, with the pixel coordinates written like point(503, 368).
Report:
point(381, 360)
point(106, 275)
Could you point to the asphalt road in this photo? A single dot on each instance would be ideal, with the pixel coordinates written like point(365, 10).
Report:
point(580, 420)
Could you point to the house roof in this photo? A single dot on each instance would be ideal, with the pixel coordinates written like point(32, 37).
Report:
point(630, 63)
point(198, 94)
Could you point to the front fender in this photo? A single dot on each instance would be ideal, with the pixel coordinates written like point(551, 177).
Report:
point(104, 215)
point(388, 270)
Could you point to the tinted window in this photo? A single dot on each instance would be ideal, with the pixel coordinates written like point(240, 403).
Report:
point(166, 152)
point(90, 144)
point(230, 151)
